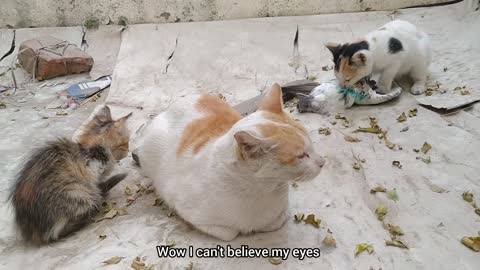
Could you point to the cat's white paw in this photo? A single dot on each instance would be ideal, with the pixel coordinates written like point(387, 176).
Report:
point(276, 224)
point(417, 89)
point(221, 232)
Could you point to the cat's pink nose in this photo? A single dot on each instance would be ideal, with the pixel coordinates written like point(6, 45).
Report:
point(320, 162)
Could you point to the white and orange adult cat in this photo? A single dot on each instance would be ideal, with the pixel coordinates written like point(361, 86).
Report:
point(225, 174)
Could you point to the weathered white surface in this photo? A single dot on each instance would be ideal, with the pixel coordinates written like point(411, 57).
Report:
point(37, 13)
point(237, 59)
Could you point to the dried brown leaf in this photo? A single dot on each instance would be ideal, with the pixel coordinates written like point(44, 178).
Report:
point(102, 237)
point(113, 260)
point(356, 166)
point(427, 159)
point(325, 131)
point(402, 117)
point(138, 264)
point(472, 242)
point(157, 202)
point(327, 68)
point(3, 106)
point(393, 230)
point(329, 241)
point(122, 212)
point(413, 112)
point(397, 164)
point(298, 217)
point(189, 266)
point(425, 147)
point(349, 138)
point(396, 243)
point(295, 184)
point(312, 221)
point(275, 261)
point(375, 130)
point(378, 188)
point(128, 191)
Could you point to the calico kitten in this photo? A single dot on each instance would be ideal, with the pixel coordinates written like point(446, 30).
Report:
point(63, 183)
point(328, 97)
point(396, 49)
point(225, 174)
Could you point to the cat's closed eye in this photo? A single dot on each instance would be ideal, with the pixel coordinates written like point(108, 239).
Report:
point(303, 155)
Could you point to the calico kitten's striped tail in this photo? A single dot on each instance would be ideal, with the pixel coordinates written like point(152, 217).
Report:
point(376, 98)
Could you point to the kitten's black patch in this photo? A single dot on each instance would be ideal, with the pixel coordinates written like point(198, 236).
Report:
point(98, 153)
point(394, 45)
point(347, 50)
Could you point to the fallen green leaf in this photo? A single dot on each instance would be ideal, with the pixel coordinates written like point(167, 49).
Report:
point(113, 260)
point(392, 195)
point(472, 242)
point(467, 196)
point(363, 247)
point(396, 243)
point(275, 261)
point(381, 212)
point(312, 221)
point(402, 117)
point(425, 147)
point(378, 188)
point(3, 106)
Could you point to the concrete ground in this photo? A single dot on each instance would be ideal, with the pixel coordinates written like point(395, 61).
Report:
point(157, 65)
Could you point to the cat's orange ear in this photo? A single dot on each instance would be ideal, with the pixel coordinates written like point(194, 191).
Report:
point(249, 145)
point(272, 101)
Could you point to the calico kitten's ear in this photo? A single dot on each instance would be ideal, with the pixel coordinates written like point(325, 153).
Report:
point(333, 47)
point(125, 118)
point(359, 58)
point(272, 101)
point(250, 146)
point(103, 115)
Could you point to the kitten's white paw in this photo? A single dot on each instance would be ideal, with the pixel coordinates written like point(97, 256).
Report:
point(221, 232)
point(276, 224)
point(417, 89)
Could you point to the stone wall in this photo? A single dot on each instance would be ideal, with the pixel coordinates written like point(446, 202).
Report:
point(36, 13)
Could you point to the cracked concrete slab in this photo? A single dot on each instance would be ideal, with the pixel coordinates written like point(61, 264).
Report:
point(239, 58)
point(103, 45)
